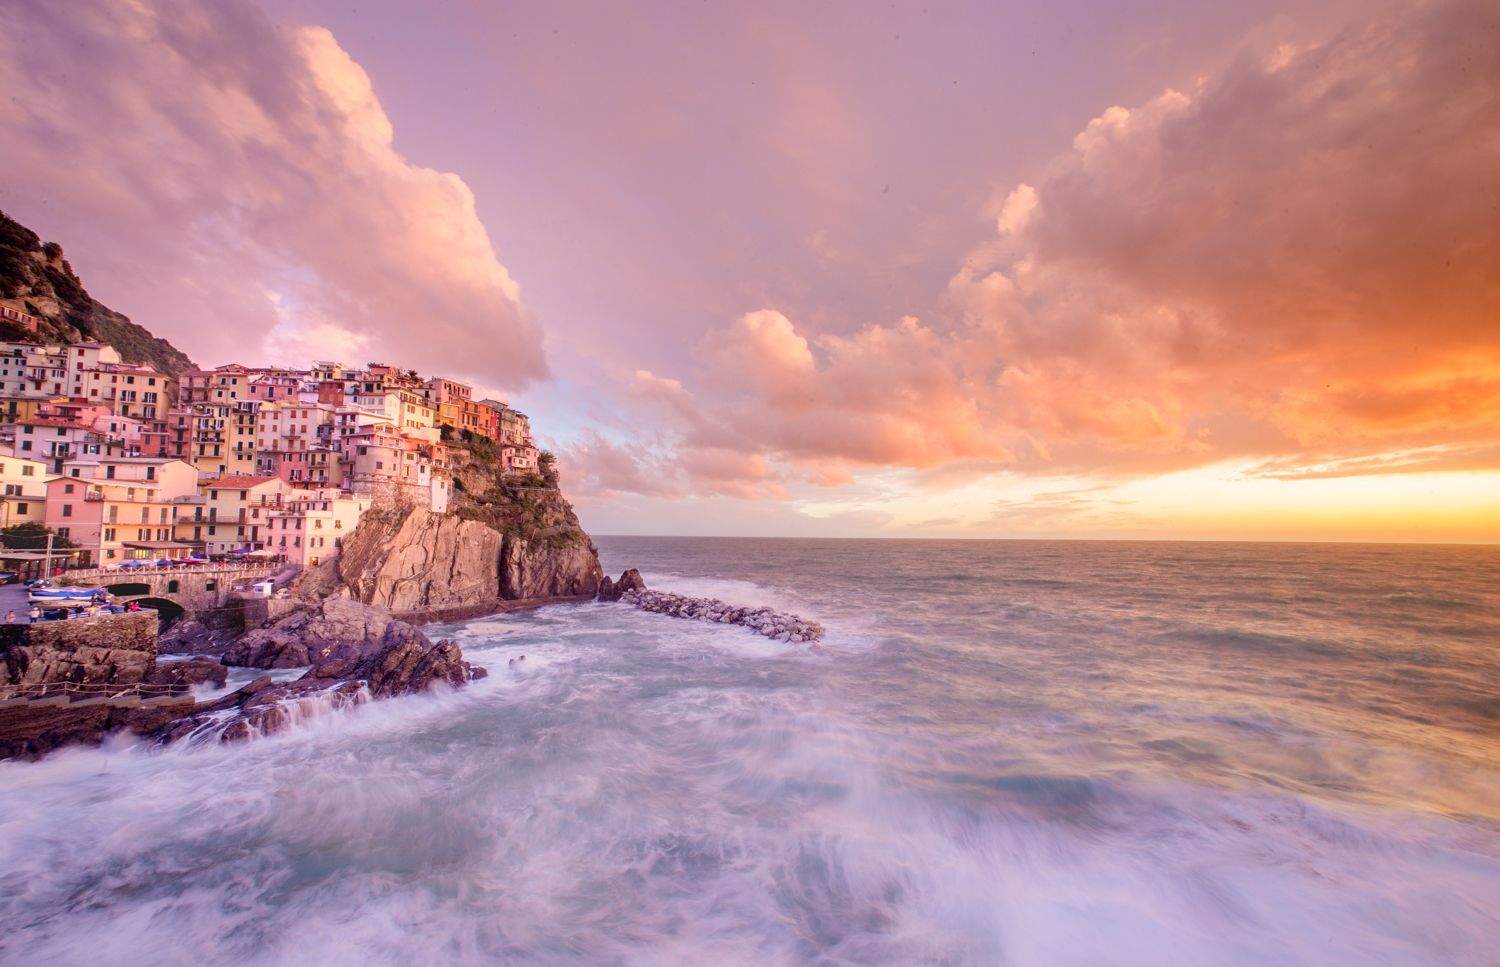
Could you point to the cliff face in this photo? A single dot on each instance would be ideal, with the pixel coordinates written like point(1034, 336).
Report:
point(37, 280)
point(432, 562)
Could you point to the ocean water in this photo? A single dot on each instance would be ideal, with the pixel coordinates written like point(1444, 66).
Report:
point(1002, 753)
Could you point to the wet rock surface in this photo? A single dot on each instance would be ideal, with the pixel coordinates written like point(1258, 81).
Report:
point(613, 590)
point(191, 637)
point(311, 635)
point(357, 654)
point(188, 673)
point(764, 621)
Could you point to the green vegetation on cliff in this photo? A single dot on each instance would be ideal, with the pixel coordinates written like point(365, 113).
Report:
point(37, 280)
point(526, 505)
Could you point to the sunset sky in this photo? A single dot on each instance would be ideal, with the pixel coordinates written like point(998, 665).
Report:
point(1071, 269)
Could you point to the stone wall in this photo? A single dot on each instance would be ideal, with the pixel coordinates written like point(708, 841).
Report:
point(116, 649)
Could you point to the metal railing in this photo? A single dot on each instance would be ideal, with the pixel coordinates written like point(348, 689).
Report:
point(213, 567)
point(75, 692)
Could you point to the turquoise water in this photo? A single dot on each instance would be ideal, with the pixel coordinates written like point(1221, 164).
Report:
point(1001, 753)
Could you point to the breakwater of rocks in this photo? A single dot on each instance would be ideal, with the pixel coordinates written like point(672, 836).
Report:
point(765, 621)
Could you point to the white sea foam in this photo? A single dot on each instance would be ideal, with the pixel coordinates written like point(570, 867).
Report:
point(979, 788)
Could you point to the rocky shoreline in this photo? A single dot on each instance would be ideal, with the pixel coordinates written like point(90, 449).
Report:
point(773, 624)
point(353, 653)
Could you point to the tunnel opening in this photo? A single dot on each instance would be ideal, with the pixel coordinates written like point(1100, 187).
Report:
point(167, 611)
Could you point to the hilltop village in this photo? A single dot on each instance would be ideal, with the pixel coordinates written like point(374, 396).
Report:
point(126, 463)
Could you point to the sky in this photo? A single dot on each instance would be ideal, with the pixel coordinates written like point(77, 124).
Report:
point(1155, 269)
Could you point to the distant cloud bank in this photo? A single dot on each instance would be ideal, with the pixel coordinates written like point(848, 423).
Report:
point(1295, 261)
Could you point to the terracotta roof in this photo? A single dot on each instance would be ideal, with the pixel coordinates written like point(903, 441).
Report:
point(235, 481)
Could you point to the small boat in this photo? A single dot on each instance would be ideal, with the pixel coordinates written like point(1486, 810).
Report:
point(67, 597)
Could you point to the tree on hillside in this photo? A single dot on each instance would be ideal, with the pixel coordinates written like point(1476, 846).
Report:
point(31, 536)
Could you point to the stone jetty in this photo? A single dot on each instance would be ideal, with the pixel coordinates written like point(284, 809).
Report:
point(764, 621)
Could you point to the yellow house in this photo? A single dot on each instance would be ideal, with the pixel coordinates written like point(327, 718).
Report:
point(25, 483)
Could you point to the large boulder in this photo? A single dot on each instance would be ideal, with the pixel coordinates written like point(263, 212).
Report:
point(306, 637)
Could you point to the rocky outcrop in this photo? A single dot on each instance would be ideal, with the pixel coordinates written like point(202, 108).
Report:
point(309, 636)
point(186, 674)
point(424, 564)
point(764, 621)
point(192, 637)
point(543, 568)
point(116, 649)
point(357, 654)
point(613, 590)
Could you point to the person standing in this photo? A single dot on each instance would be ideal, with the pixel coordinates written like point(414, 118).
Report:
point(36, 614)
point(10, 618)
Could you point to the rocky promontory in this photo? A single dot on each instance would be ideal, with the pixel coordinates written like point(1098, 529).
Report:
point(506, 540)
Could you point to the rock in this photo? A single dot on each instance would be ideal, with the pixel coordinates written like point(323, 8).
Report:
point(399, 661)
point(546, 569)
point(607, 590)
point(438, 562)
point(630, 581)
point(781, 627)
point(310, 636)
point(188, 673)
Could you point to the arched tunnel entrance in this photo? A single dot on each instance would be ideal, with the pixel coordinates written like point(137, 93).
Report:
point(167, 611)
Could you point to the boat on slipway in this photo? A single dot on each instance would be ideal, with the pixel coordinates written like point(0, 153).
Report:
point(67, 597)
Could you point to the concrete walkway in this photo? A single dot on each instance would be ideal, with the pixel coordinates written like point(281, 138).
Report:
point(13, 598)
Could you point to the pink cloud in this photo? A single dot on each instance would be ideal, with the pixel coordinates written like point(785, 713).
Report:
point(238, 183)
point(1295, 259)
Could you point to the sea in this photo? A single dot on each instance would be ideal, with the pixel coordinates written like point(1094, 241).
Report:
point(1000, 753)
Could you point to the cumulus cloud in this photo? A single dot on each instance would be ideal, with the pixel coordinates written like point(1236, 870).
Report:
point(223, 156)
point(1297, 259)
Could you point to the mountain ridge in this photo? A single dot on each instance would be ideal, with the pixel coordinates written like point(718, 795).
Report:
point(36, 279)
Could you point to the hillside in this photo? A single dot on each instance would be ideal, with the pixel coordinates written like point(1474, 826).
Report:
point(37, 280)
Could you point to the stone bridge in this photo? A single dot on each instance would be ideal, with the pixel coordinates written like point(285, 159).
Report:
point(173, 591)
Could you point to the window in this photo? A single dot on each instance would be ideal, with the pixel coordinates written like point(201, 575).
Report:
point(211, 530)
point(109, 533)
point(67, 510)
point(26, 444)
point(22, 508)
point(145, 516)
point(67, 489)
point(210, 585)
point(109, 472)
point(62, 532)
point(31, 471)
point(150, 473)
point(172, 587)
